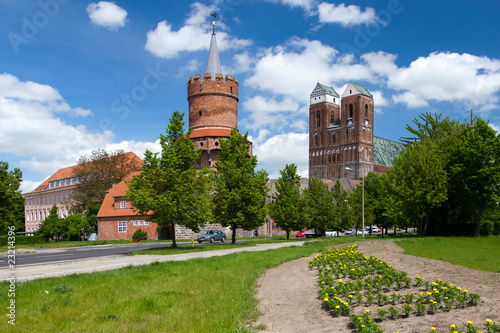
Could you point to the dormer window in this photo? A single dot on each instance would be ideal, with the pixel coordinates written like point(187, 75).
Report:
point(123, 204)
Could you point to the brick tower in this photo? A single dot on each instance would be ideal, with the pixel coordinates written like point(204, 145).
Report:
point(340, 132)
point(213, 107)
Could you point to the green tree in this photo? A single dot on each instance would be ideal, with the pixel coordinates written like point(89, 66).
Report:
point(420, 181)
point(287, 210)
point(168, 188)
point(344, 216)
point(240, 191)
point(98, 173)
point(320, 210)
point(51, 226)
point(77, 227)
point(474, 170)
point(11, 199)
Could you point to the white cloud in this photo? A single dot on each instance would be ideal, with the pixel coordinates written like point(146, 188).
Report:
point(107, 14)
point(410, 99)
point(30, 126)
point(448, 77)
point(279, 150)
point(267, 112)
point(495, 127)
point(346, 15)
point(165, 42)
point(305, 4)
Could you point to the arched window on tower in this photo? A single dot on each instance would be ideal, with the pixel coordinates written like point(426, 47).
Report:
point(367, 120)
point(332, 117)
point(333, 138)
point(350, 110)
point(318, 119)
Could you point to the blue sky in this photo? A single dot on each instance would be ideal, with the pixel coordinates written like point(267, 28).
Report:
point(80, 75)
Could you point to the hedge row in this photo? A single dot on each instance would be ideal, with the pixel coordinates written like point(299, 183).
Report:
point(22, 240)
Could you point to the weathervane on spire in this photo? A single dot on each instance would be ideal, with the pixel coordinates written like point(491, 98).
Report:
point(214, 14)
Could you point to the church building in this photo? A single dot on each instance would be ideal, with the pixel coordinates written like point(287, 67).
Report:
point(342, 144)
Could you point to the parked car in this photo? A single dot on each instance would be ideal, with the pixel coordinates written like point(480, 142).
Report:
point(360, 232)
point(300, 234)
point(375, 229)
point(310, 233)
point(379, 229)
point(211, 236)
point(350, 232)
point(330, 233)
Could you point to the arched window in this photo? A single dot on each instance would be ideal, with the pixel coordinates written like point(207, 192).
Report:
point(333, 138)
point(350, 110)
point(366, 110)
point(318, 119)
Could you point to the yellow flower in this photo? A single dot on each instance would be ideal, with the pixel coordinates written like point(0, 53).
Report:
point(326, 299)
point(367, 310)
point(340, 280)
point(453, 326)
point(469, 322)
point(488, 320)
point(433, 328)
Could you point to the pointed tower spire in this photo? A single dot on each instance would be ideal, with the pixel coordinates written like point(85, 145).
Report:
point(213, 61)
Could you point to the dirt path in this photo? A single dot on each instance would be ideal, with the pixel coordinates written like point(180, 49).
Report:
point(289, 302)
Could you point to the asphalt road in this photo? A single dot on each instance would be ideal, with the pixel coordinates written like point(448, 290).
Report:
point(48, 256)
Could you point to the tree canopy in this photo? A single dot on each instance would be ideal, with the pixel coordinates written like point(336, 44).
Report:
point(11, 199)
point(98, 173)
point(239, 190)
point(168, 188)
point(448, 176)
point(287, 211)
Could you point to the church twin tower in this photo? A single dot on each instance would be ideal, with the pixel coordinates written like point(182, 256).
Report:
point(340, 130)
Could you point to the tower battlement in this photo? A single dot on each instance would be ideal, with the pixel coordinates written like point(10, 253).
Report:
point(219, 86)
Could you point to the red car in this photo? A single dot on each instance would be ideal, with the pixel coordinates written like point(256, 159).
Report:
point(300, 234)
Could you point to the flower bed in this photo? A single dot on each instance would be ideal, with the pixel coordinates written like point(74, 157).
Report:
point(351, 282)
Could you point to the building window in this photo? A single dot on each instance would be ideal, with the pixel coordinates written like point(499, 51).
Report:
point(122, 226)
point(57, 198)
point(141, 223)
point(200, 113)
point(135, 222)
point(146, 222)
point(123, 204)
point(366, 110)
point(350, 110)
point(318, 119)
point(332, 117)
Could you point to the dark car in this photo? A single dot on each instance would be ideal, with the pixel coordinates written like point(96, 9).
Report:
point(211, 236)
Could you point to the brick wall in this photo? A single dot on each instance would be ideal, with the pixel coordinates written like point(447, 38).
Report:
point(108, 228)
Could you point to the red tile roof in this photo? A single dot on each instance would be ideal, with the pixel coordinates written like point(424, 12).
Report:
point(109, 208)
point(68, 173)
point(214, 132)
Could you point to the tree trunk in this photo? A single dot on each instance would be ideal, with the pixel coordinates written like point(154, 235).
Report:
point(233, 237)
point(478, 221)
point(172, 232)
point(288, 234)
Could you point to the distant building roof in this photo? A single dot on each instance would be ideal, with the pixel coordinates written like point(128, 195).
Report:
point(362, 89)
point(384, 150)
point(321, 89)
point(109, 208)
point(213, 61)
point(68, 172)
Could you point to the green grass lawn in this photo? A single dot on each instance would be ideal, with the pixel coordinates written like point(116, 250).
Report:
point(203, 295)
point(477, 253)
point(168, 250)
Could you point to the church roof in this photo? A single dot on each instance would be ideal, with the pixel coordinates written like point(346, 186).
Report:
point(321, 89)
point(384, 150)
point(362, 89)
point(213, 61)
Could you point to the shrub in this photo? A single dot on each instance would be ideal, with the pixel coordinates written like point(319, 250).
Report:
point(140, 234)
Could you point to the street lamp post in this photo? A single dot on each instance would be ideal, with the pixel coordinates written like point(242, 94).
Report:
point(362, 200)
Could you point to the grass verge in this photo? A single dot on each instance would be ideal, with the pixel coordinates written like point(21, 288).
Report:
point(482, 253)
point(203, 295)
